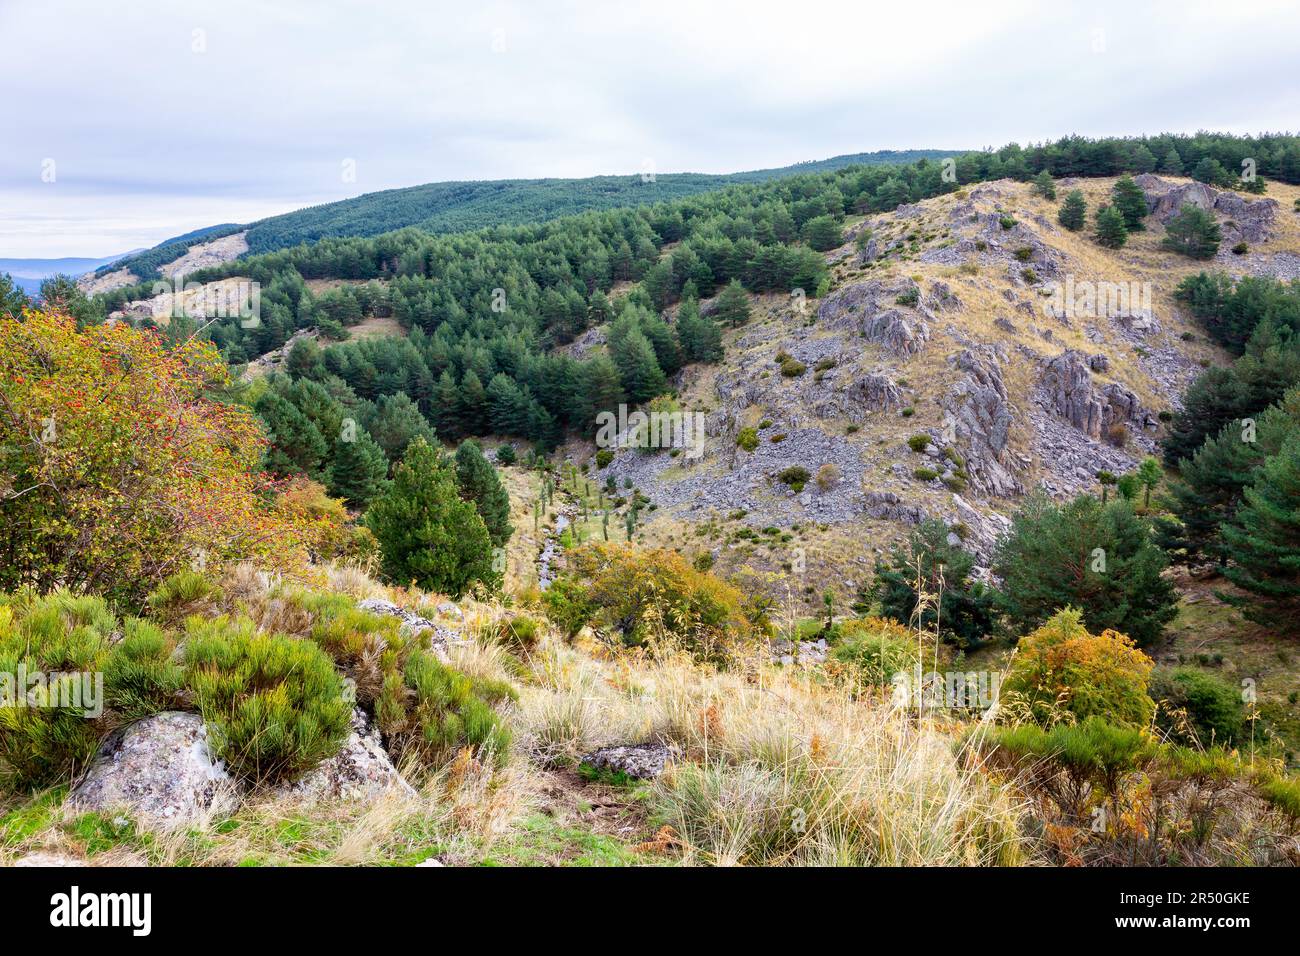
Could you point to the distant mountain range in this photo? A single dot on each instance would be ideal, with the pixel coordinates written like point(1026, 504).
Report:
point(29, 273)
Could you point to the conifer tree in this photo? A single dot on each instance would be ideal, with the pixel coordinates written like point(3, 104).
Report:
point(1130, 201)
point(359, 472)
point(1045, 186)
point(479, 483)
point(1074, 211)
point(1262, 542)
point(1111, 231)
point(638, 368)
point(1193, 232)
point(426, 533)
point(1172, 164)
point(732, 306)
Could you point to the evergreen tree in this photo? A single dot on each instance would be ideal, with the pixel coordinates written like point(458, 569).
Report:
point(1083, 554)
point(1193, 232)
point(822, 233)
point(479, 483)
point(1045, 186)
point(12, 299)
point(1143, 160)
point(1149, 475)
point(474, 406)
point(599, 390)
point(1212, 172)
point(427, 535)
point(1262, 542)
point(395, 423)
point(638, 368)
point(966, 609)
point(732, 305)
point(1131, 202)
point(1111, 231)
point(1073, 212)
point(700, 337)
point(1172, 164)
point(359, 471)
point(297, 446)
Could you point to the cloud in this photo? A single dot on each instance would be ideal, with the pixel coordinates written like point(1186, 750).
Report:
point(165, 111)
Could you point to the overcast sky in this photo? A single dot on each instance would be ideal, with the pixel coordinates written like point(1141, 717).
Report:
point(160, 116)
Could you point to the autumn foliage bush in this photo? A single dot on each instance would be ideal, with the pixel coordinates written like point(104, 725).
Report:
point(655, 598)
point(1061, 672)
point(120, 462)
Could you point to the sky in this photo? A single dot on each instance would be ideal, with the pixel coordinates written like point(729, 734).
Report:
point(133, 121)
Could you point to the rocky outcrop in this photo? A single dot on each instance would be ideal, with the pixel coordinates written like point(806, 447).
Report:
point(1248, 220)
point(895, 333)
point(980, 419)
point(638, 761)
point(361, 770)
point(1066, 389)
point(161, 771)
point(858, 397)
point(888, 506)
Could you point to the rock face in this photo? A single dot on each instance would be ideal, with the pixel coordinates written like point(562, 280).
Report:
point(892, 331)
point(161, 771)
point(360, 770)
point(639, 761)
point(980, 417)
point(1066, 388)
point(1246, 219)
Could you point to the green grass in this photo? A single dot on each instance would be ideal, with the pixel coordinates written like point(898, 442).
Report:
point(542, 841)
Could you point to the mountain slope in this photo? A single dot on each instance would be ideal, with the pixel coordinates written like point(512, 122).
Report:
point(447, 207)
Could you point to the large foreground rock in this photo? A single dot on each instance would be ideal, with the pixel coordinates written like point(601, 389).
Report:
point(161, 771)
point(639, 761)
point(361, 770)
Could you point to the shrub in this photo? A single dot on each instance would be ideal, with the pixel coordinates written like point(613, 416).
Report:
point(792, 367)
point(604, 457)
point(182, 594)
point(919, 443)
point(1092, 751)
point(657, 599)
point(908, 412)
point(274, 706)
point(85, 521)
point(828, 476)
point(796, 476)
point(429, 711)
point(506, 455)
point(1007, 222)
point(1240, 249)
point(143, 675)
point(925, 474)
point(1197, 707)
point(1062, 669)
point(359, 643)
point(870, 651)
point(64, 637)
point(1024, 253)
point(778, 438)
point(567, 606)
point(519, 632)
point(908, 297)
point(747, 439)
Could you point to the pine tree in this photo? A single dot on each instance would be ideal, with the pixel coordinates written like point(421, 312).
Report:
point(1262, 542)
point(297, 446)
point(1045, 186)
point(426, 533)
point(1149, 476)
point(599, 390)
point(1074, 211)
point(1111, 231)
point(638, 368)
point(1143, 160)
point(395, 423)
point(732, 305)
point(1193, 232)
point(359, 472)
point(700, 337)
point(1083, 554)
point(479, 483)
point(1172, 164)
point(1130, 201)
point(822, 233)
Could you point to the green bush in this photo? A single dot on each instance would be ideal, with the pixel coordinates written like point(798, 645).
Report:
point(796, 476)
point(872, 650)
point(919, 443)
point(506, 455)
point(1213, 707)
point(747, 438)
point(1094, 751)
point(429, 711)
point(604, 457)
point(59, 634)
point(792, 368)
point(520, 632)
point(274, 706)
point(925, 474)
point(143, 675)
point(181, 595)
